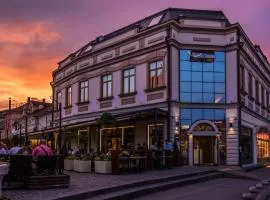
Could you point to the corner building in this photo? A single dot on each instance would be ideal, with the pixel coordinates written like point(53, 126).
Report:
point(184, 75)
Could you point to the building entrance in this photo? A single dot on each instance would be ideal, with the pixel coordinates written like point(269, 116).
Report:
point(204, 150)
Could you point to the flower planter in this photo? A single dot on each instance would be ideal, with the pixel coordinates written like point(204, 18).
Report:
point(103, 167)
point(68, 164)
point(82, 165)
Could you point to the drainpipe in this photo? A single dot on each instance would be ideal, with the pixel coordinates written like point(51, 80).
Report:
point(169, 83)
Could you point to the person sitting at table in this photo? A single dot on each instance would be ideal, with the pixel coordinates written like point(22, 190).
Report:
point(26, 150)
point(42, 149)
point(2, 148)
point(15, 149)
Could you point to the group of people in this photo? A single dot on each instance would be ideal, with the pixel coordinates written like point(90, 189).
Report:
point(41, 150)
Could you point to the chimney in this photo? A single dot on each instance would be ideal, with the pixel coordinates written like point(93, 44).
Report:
point(9, 104)
point(28, 99)
point(43, 100)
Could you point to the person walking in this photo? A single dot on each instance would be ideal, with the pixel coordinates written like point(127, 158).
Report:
point(15, 149)
point(26, 150)
point(42, 149)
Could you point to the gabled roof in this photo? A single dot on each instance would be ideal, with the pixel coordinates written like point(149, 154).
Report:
point(167, 15)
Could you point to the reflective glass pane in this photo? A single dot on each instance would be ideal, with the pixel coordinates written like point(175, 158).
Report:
point(126, 73)
point(196, 115)
point(105, 78)
point(196, 76)
point(208, 67)
point(86, 83)
point(86, 94)
point(186, 113)
point(208, 97)
point(126, 85)
point(104, 90)
point(132, 84)
point(219, 98)
point(219, 67)
point(110, 89)
point(219, 77)
point(196, 97)
point(196, 66)
point(185, 87)
point(208, 77)
point(219, 56)
point(153, 65)
point(219, 87)
point(109, 77)
point(219, 114)
point(185, 97)
point(160, 64)
point(208, 87)
point(196, 87)
point(209, 114)
point(185, 54)
point(185, 76)
point(132, 71)
point(185, 65)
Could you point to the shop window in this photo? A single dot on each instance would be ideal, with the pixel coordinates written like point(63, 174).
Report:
point(246, 145)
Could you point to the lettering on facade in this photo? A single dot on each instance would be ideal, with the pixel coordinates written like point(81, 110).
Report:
point(200, 39)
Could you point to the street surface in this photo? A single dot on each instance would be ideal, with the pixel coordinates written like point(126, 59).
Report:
point(220, 189)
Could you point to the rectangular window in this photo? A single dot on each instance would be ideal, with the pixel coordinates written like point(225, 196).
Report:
point(58, 100)
point(202, 77)
point(262, 96)
point(129, 76)
point(84, 91)
point(107, 86)
point(257, 91)
point(250, 85)
point(156, 74)
point(242, 78)
point(68, 97)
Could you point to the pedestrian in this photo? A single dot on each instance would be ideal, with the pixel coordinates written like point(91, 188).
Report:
point(26, 150)
point(42, 149)
point(15, 149)
point(2, 148)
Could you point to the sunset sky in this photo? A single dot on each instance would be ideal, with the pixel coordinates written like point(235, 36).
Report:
point(36, 34)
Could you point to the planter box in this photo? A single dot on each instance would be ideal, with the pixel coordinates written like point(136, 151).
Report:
point(68, 164)
point(82, 165)
point(103, 167)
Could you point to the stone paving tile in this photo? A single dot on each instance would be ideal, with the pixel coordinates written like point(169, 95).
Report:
point(85, 182)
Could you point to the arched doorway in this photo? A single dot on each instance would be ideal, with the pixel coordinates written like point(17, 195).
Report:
point(203, 143)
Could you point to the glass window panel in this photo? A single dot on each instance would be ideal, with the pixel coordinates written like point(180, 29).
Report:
point(219, 114)
point(132, 71)
point(185, 97)
point(126, 73)
point(82, 97)
point(159, 72)
point(110, 89)
point(220, 56)
point(105, 78)
point(219, 87)
point(208, 76)
point(186, 114)
point(153, 73)
point(132, 84)
point(109, 77)
point(185, 54)
point(219, 67)
point(185, 65)
point(86, 94)
point(104, 90)
point(208, 97)
point(208, 67)
point(219, 77)
point(209, 114)
point(126, 85)
point(196, 66)
point(185, 87)
point(185, 76)
point(153, 65)
point(160, 64)
point(196, 76)
point(196, 97)
point(197, 87)
point(219, 98)
point(196, 115)
point(208, 87)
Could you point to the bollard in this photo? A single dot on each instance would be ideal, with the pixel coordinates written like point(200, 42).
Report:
point(252, 189)
point(247, 195)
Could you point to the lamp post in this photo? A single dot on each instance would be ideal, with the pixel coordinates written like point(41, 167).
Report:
point(60, 127)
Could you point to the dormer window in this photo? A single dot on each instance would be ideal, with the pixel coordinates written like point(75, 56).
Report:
point(202, 56)
point(155, 21)
point(89, 48)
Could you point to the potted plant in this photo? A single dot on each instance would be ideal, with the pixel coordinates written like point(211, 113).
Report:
point(82, 164)
point(103, 165)
point(69, 162)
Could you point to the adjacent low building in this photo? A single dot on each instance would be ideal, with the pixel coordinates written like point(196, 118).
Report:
point(189, 76)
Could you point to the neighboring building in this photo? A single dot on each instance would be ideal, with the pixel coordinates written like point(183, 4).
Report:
point(184, 75)
point(33, 118)
point(2, 123)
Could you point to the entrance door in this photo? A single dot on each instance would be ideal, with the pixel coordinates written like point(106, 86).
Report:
point(204, 150)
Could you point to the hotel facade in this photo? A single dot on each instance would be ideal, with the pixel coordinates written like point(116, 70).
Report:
point(188, 76)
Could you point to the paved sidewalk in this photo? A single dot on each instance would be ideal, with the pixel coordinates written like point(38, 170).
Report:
point(86, 182)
